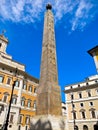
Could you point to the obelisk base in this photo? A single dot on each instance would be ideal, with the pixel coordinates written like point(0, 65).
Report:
point(47, 122)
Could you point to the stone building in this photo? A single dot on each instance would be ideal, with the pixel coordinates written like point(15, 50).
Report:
point(24, 97)
point(82, 101)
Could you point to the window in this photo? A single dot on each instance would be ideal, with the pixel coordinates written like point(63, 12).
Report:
point(11, 118)
point(83, 114)
point(91, 103)
point(20, 119)
point(14, 100)
point(19, 127)
point(72, 97)
point(10, 126)
point(27, 120)
point(89, 94)
point(1, 79)
point(80, 95)
point(76, 127)
point(34, 104)
point(74, 115)
point(96, 81)
point(34, 90)
point(17, 83)
point(78, 85)
point(93, 114)
point(26, 128)
point(9, 81)
point(29, 103)
point(30, 88)
point(5, 98)
point(22, 101)
point(73, 105)
point(85, 127)
point(81, 104)
point(87, 83)
point(24, 86)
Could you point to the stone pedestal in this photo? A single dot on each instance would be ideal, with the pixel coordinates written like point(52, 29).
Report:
point(47, 122)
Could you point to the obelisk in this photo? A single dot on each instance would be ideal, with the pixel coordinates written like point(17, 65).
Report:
point(48, 93)
point(48, 114)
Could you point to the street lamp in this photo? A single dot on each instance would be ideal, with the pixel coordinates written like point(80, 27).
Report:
point(8, 113)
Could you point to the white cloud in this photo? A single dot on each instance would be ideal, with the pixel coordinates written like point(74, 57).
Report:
point(80, 11)
point(82, 14)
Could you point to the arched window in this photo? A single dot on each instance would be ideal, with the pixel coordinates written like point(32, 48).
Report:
point(74, 115)
point(92, 111)
point(76, 127)
point(93, 114)
point(96, 126)
point(85, 127)
point(83, 116)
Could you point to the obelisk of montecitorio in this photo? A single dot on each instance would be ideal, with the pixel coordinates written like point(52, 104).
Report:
point(48, 113)
point(48, 93)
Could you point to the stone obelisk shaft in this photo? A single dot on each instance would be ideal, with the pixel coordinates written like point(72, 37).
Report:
point(49, 97)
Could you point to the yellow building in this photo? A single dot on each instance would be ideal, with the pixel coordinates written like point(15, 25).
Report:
point(82, 101)
point(24, 97)
point(94, 53)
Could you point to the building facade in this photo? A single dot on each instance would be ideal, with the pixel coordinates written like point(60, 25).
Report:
point(23, 105)
point(82, 102)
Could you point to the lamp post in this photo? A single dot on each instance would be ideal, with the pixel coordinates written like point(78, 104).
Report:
point(8, 113)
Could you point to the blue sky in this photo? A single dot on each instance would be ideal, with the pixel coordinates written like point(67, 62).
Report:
point(76, 29)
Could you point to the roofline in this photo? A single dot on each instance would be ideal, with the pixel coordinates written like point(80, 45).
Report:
point(4, 38)
point(86, 80)
point(82, 88)
point(25, 74)
point(93, 50)
point(12, 59)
